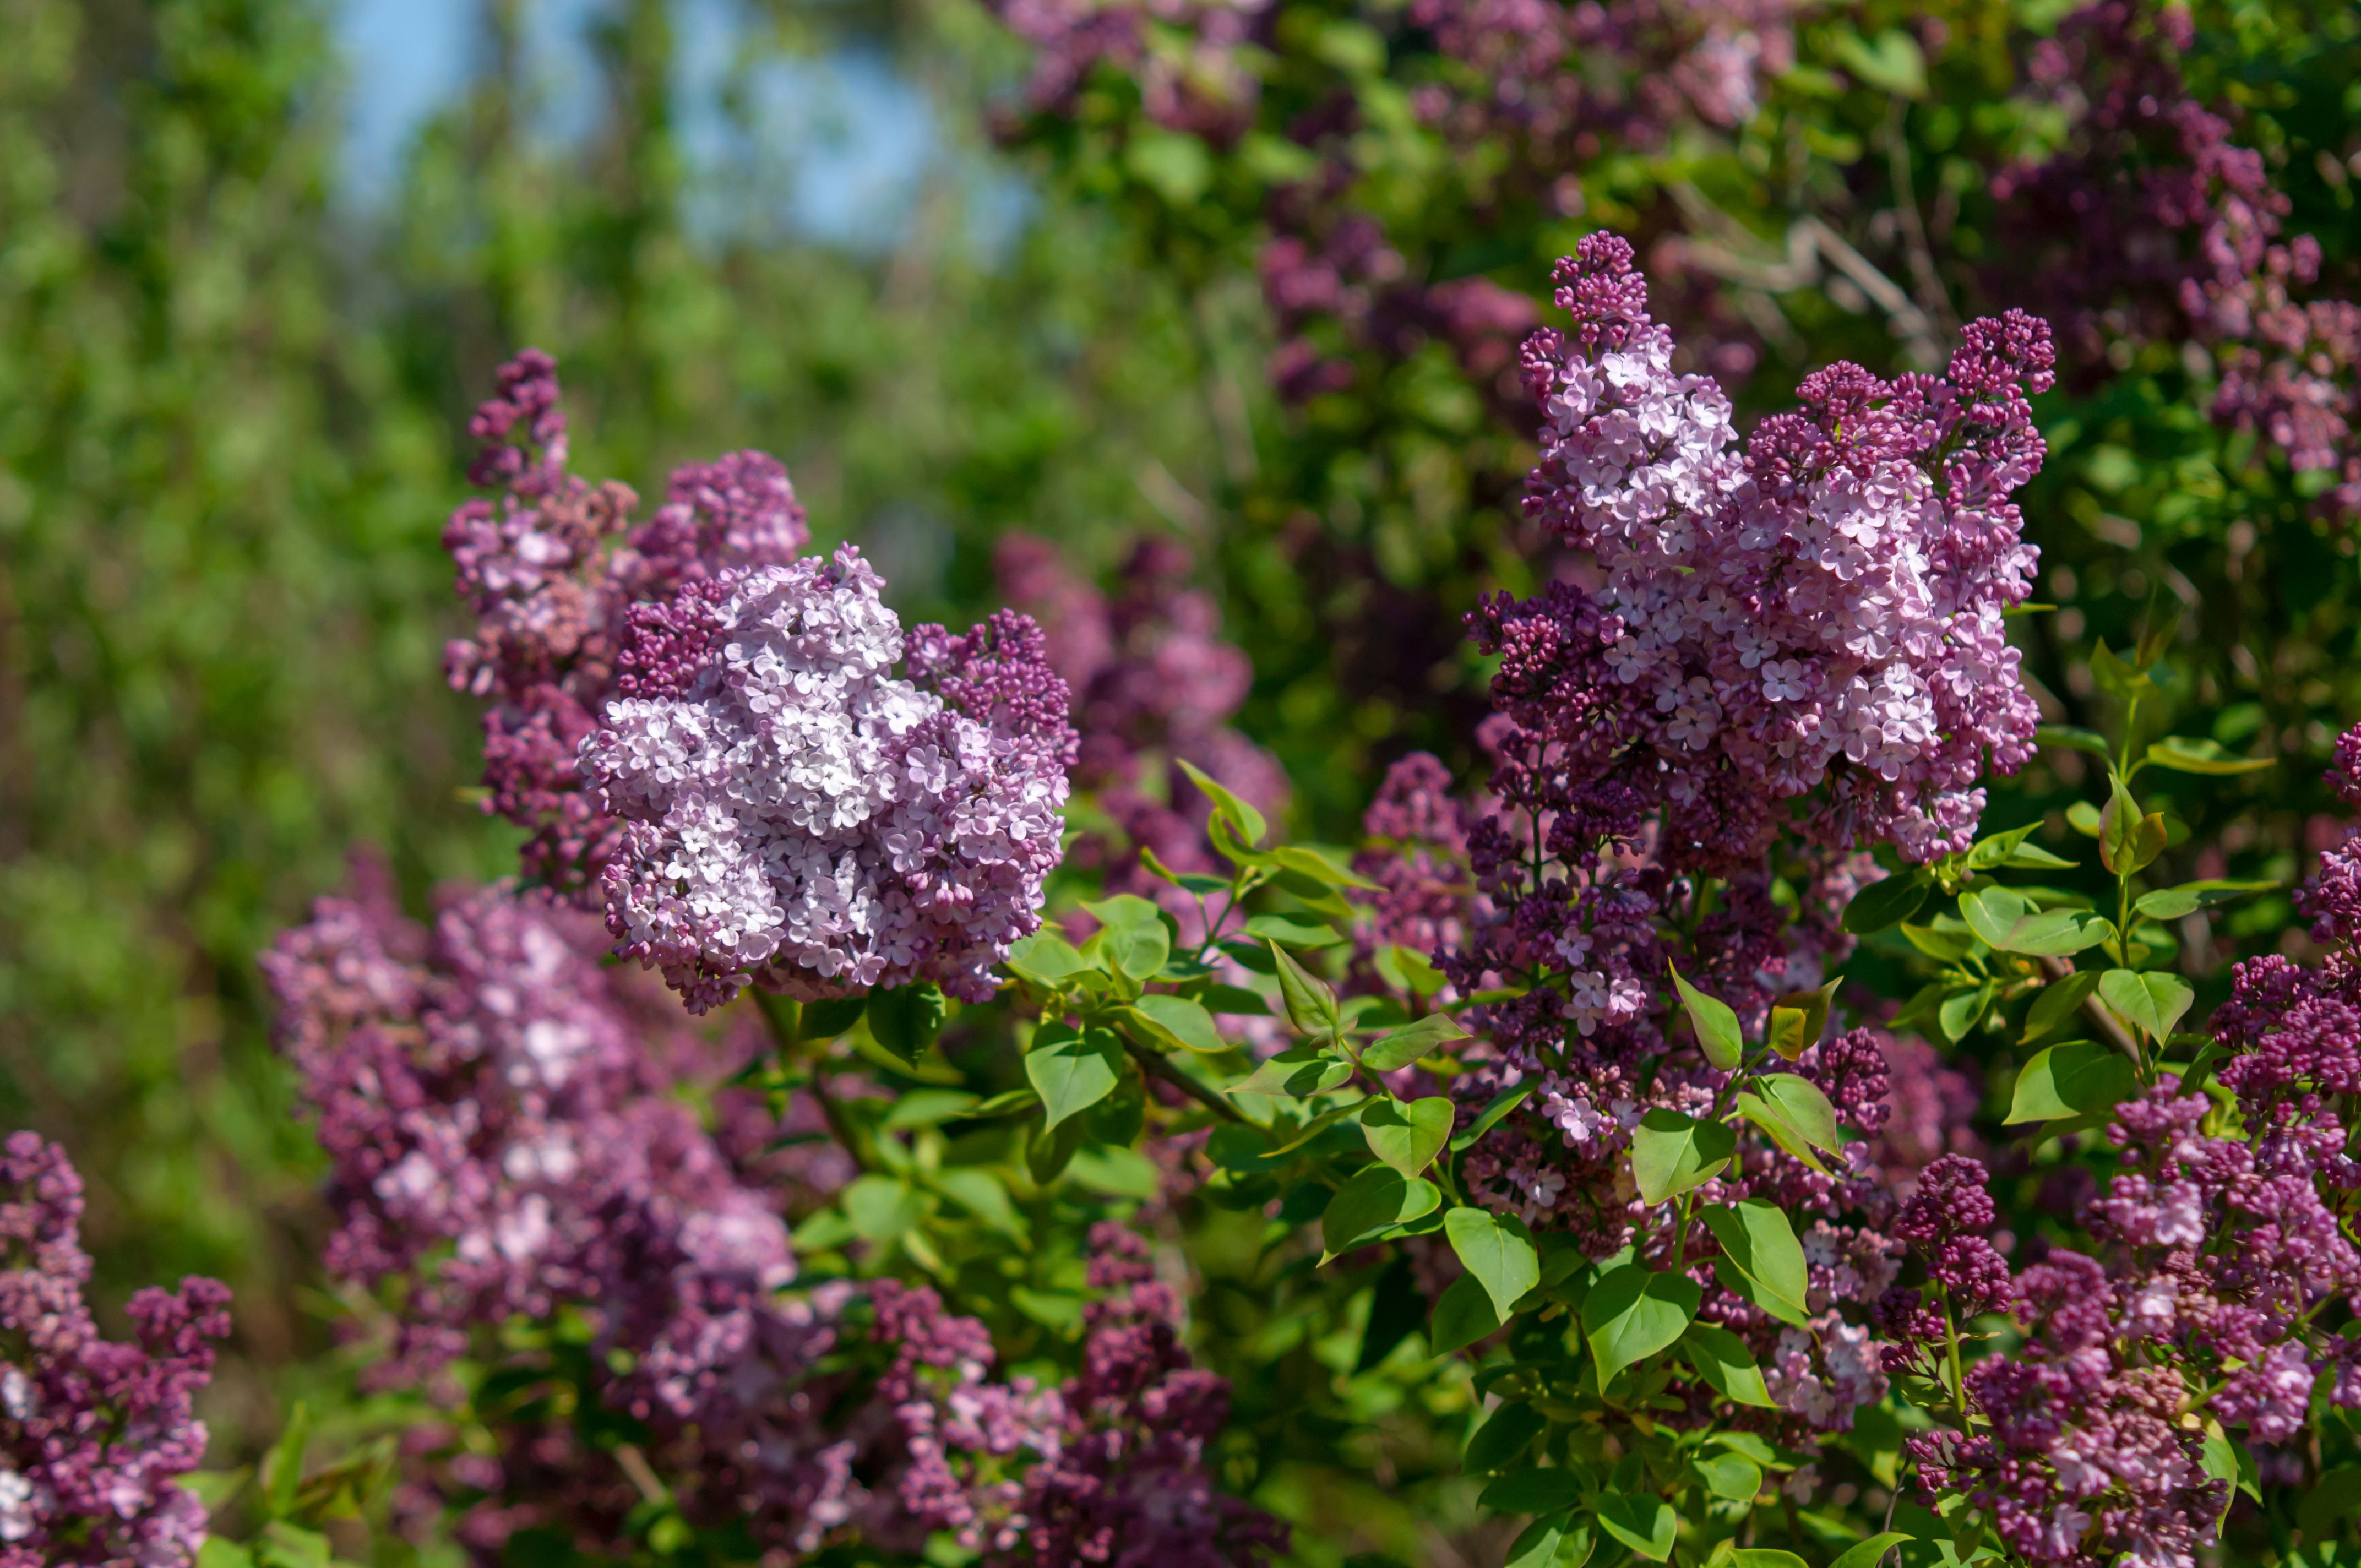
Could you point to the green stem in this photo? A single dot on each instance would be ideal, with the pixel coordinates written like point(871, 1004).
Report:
point(786, 1020)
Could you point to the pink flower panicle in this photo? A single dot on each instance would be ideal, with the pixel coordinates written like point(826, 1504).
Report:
point(550, 566)
point(797, 812)
point(92, 1433)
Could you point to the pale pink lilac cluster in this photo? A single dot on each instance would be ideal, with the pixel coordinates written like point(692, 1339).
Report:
point(2151, 223)
point(798, 814)
point(1107, 1469)
point(1821, 619)
point(93, 1432)
point(551, 566)
point(499, 1116)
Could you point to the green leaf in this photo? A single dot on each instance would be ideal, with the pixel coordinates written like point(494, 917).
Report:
point(2117, 678)
point(1647, 1525)
point(2073, 1079)
point(1764, 1557)
point(931, 1108)
point(1321, 1124)
point(1722, 1359)
point(1760, 1249)
point(1241, 815)
point(2154, 1001)
point(1962, 1008)
point(1497, 1251)
point(1489, 1117)
point(1716, 1024)
point(1072, 1070)
point(906, 1019)
point(2006, 921)
point(1533, 1490)
point(218, 1552)
point(1887, 902)
point(882, 1207)
point(1503, 1438)
point(2190, 754)
point(1307, 1069)
point(1806, 1108)
point(1786, 1034)
point(1892, 63)
point(1549, 1542)
point(2128, 841)
point(831, 1017)
point(2336, 1493)
point(1672, 1154)
point(981, 1194)
point(1946, 940)
point(1291, 932)
point(1311, 1005)
point(2172, 903)
point(1376, 1199)
point(1631, 1314)
point(286, 1545)
point(1406, 1137)
point(282, 1467)
point(1406, 1045)
point(1404, 970)
point(1181, 1021)
point(1305, 860)
point(1865, 1553)
point(1731, 1476)
point(1134, 937)
point(2072, 738)
point(2059, 1004)
point(1045, 958)
point(1775, 1125)
point(1462, 1316)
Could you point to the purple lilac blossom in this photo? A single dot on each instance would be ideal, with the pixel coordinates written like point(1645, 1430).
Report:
point(798, 814)
point(92, 1433)
point(504, 1144)
point(550, 566)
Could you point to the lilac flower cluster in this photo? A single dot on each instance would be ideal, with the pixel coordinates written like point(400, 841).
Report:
point(1108, 1469)
point(1185, 55)
point(797, 813)
point(504, 1142)
point(1822, 619)
point(2151, 223)
point(92, 1433)
point(550, 567)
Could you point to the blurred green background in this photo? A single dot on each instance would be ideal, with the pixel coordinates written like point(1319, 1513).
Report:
point(258, 258)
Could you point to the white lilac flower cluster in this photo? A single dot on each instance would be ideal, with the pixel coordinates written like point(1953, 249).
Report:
point(798, 814)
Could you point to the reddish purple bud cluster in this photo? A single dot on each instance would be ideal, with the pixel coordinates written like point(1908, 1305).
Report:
point(92, 1433)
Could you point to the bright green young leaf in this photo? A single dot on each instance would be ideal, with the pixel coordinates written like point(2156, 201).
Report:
point(2117, 678)
point(1716, 1024)
point(1406, 970)
point(1306, 1069)
point(1305, 860)
point(1892, 63)
point(1760, 1249)
point(1962, 1008)
point(1503, 1438)
point(1533, 1490)
point(1722, 1359)
point(1072, 1071)
point(1406, 1045)
point(218, 1551)
point(1775, 1125)
point(2059, 1002)
point(1463, 1314)
point(981, 1194)
point(1289, 933)
point(1887, 902)
point(1945, 940)
point(1243, 816)
point(1311, 1005)
point(1497, 1253)
point(2172, 903)
point(1377, 1198)
point(1046, 959)
point(1182, 1022)
point(2154, 1001)
point(1631, 1314)
point(1543, 1544)
point(1489, 1117)
point(1134, 937)
point(2008, 922)
point(2190, 754)
point(1866, 1553)
point(2073, 1080)
point(882, 1207)
point(1672, 1154)
point(1765, 1557)
point(1786, 1034)
point(906, 1019)
point(1406, 1137)
point(1647, 1525)
point(1806, 1108)
point(1732, 1477)
point(931, 1107)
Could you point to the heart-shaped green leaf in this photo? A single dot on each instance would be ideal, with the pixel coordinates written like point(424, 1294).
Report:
point(1672, 1154)
point(1180, 1021)
point(2009, 923)
point(1132, 934)
point(831, 1017)
point(1722, 1359)
point(1808, 1110)
point(1462, 1315)
point(2059, 1004)
point(1759, 1248)
point(1732, 1477)
point(1072, 1070)
point(1046, 959)
point(1775, 1125)
point(1887, 902)
point(1406, 1045)
point(1497, 1251)
point(1631, 1314)
point(906, 1019)
point(2172, 903)
point(1716, 1024)
point(1406, 1137)
point(2153, 1002)
point(2078, 1078)
point(1376, 1199)
point(1647, 1525)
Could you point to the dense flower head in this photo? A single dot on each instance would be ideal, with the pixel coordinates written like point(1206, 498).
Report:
point(504, 1142)
point(797, 813)
point(1820, 619)
point(93, 1432)
point(551, 567)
